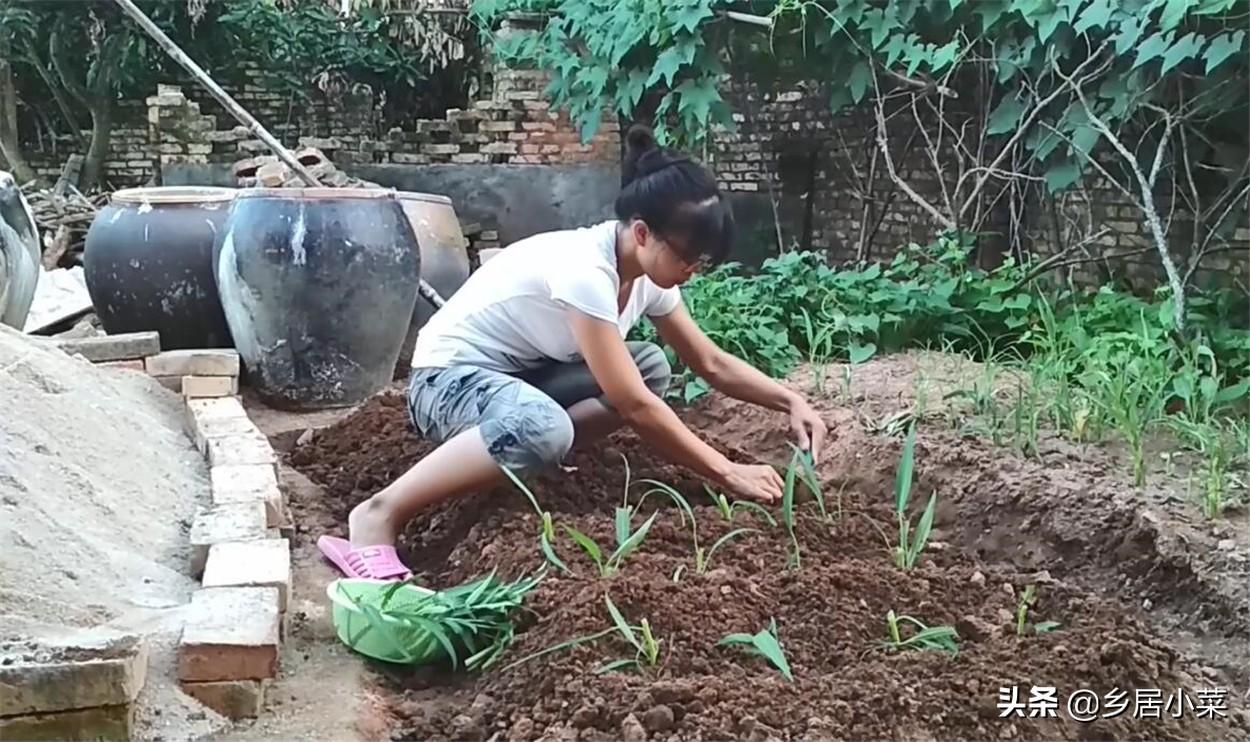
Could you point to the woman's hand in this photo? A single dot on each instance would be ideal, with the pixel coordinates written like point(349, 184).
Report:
point(758, 482)
point(807, 427)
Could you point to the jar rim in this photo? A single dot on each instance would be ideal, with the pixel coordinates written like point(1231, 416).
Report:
point(434, 198)
point(317, 192)
point(173, 194)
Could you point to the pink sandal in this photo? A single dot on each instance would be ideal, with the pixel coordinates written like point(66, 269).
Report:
point(369, 562)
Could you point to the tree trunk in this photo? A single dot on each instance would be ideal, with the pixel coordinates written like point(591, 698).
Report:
point(10, 144)
point(101, 135)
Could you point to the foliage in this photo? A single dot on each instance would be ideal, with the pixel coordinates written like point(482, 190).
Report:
point(909, 545)
point(937, 638)
point(764, 643)
point(612, 55)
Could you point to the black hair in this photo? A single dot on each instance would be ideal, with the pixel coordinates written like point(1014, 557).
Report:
point(677, 198)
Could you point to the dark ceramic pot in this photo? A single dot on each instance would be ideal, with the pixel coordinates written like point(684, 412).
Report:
point(148, 264)
point(444, 260)
point(318, 287)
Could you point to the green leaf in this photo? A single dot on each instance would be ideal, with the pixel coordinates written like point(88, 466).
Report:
point(1084, 139)
point(586, 543)
point(697, 97)
point(1006, 115)
point(1222, 47)
point(1130, 31)
point(990, 11)
point(1173, 12)
point(621, 624)
point(1095, 15)
point(1049, 23)
point(1155, 46)
point(1044, 627)
point(671, 60)
point(860, 353)
point(1062, 175)
point(1186, 47)
point(861, 78)
point(688, 15)
point(944, 56)
point(902, 480)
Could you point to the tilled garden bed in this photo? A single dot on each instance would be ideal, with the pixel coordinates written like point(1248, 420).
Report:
point(1113, 674)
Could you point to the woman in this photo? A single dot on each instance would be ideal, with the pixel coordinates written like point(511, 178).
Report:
point(528, 357)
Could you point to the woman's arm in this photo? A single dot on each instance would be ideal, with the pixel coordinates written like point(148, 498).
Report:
point(613, 367)
point(737, 378)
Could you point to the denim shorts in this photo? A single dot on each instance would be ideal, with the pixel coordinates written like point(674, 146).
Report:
point(522, 417)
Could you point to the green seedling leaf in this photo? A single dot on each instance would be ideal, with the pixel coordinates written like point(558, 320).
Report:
point(902, 480)
point(631, 543)
point(588, 545)
point(615, 665)
point(764, 643)
point(1044, 627)
point(621, 624)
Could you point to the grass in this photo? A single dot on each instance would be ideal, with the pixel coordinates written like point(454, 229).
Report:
point(1027, 599)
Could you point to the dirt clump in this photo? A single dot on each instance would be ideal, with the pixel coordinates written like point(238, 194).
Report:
point(830, 609)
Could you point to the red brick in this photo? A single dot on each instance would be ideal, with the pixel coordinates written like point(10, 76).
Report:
point(231, 633)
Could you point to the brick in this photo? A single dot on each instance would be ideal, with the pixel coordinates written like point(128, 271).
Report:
point(407, 158)
point(205, 411)
point(249, 483)
point(134, 364)
point(233, 699)
point(440, 149)
point(470, 158)
point(218, 427)
point(244, 448)
point(497, 126)
point(210, 386)
point(240, 521)
point(122, 347)
point(538, 126)
point(100, 724)
point(46, 678)
point(258, 563)
point(499, 148)
point(194, 362)
point(231, 633)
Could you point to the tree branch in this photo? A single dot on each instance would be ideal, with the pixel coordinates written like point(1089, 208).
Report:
point(883, 145)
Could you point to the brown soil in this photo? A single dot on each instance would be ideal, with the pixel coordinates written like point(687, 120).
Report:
point(1003, 523)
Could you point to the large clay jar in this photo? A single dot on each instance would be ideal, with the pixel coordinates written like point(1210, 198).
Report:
point(148, 264)
point(317, 285)
point(444, 260)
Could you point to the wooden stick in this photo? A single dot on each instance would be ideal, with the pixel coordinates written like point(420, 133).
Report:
point(241, 114)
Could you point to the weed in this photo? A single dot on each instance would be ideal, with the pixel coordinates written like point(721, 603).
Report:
point(764, 643)
point(548, 533)
point(939, 638)
point(910, 545)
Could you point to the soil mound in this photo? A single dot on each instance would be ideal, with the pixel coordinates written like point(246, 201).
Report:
point(830, 610)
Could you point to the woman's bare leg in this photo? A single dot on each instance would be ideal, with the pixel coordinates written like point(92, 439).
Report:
point(457, 467)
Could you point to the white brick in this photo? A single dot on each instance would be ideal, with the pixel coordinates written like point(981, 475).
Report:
point(217, 427)
point(231, 633)
point(210, 386)
point(194, 362)
point(244, 448)
point(239, 521)
point(258, 563)
point(232, 484)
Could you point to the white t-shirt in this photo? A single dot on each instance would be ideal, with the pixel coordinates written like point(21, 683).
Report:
point(510, 314)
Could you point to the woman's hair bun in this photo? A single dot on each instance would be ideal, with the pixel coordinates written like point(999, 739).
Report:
point(639, 139)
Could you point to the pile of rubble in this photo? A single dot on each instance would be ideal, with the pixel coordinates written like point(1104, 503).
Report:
point(267, 171)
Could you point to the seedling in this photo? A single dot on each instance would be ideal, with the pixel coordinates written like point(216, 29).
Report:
point(548, 534)
point(626, 542)
point(800, 458)
point(701, 556)
point(647, 647)
point(764, 643)
point(938, 638)
point(1027, 599)
point(910, 545)
point(729, 510)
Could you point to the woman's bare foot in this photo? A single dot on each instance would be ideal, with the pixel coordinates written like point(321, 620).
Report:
point(369, 524)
